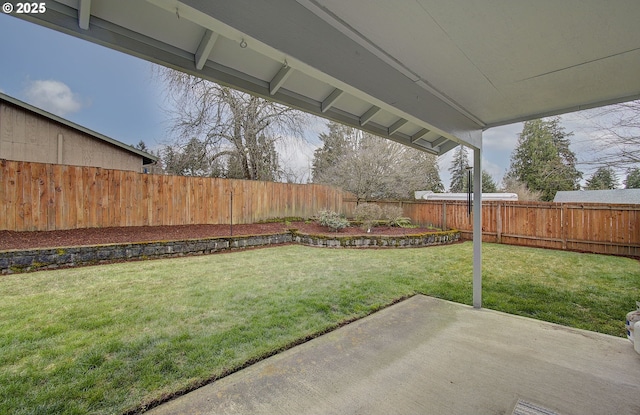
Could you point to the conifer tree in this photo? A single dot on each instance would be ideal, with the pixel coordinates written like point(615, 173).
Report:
point(603, 179)
point(542, 159)
point(458, 170)
point(488, 184)
point(633, 179)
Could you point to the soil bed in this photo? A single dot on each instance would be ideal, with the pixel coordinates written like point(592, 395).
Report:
point(101, 236)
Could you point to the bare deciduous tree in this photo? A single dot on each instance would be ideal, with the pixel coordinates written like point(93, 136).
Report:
point(617, 132)
point(513, 185)
point(237, 131)
point(372, 167)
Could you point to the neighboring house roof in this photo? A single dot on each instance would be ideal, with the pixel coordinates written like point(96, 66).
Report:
point(616, 196)
point(146, 157)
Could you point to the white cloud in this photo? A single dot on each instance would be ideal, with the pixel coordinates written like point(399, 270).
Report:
point(503, 138)
point(53, 96)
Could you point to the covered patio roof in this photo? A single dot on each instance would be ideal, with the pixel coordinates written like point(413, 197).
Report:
point(428, 74)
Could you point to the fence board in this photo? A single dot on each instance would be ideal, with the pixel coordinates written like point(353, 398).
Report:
point(10, 192)
point(38, 191)
point(21, 211)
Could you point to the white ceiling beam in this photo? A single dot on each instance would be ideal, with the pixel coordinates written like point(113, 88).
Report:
point(331, 99)
point(439, 142)
point(430, 136)
point(396, 126)
point(417, 136)
point(280, 79)
point(428, 147)
point(204, 48)
point(448, 145)
point(367, 116)
point(84, 14)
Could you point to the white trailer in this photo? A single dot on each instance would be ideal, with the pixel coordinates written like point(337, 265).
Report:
point(429, 195)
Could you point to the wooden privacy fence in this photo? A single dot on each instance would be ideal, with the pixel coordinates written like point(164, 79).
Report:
point(39, 197)
point(598, 228)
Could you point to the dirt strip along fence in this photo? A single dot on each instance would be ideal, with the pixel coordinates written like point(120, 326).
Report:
point(41, 197)
point(586, 227)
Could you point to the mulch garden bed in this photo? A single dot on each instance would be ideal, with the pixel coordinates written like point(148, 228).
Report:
point(101, 236)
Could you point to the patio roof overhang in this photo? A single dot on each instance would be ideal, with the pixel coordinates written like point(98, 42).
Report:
point(424, 73)
point(428, 74)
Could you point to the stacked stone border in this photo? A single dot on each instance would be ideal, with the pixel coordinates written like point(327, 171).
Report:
point(377, 241)
point(17, 261)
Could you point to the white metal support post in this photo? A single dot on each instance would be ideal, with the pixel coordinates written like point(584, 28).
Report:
point(477, 228)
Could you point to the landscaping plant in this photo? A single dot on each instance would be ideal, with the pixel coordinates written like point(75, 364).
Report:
point(332, 220)
point(394, 216)
point(368, 214)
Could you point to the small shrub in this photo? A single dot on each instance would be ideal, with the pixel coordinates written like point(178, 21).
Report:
point(332, 220)
point(369, 214)
point(393, 215)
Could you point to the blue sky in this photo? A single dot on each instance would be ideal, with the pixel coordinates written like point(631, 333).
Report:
point(116, 94)
point(106, 91)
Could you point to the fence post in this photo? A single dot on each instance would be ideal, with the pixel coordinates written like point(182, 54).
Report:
point(499, 223)
point(563, 225)
point(444, 216)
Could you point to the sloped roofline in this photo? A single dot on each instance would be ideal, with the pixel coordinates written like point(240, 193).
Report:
point(146, 157)
point(608, 196)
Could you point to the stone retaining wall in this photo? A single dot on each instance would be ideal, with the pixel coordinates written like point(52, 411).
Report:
point(49, 258)
point(401, 241)
point(15, 261)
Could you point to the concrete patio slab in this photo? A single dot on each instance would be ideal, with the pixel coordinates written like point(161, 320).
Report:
point(429, 356)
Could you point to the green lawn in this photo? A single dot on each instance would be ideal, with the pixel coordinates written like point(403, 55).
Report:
point(110, 339)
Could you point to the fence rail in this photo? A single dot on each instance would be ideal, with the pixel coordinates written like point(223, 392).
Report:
point(588, 227)
point(40, 197)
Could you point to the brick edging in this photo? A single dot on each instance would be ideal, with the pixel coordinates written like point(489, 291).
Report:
point(17, 261)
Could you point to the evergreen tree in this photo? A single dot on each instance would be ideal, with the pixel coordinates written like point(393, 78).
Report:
point(633, 179)
point(458, 170)
point(488, 184)
point(603, 179)
point(542, 159)
point(335, 145)
point(142, 146)
point(190, 160)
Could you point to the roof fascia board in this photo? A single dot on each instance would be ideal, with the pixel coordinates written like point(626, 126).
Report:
point(566, 110)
